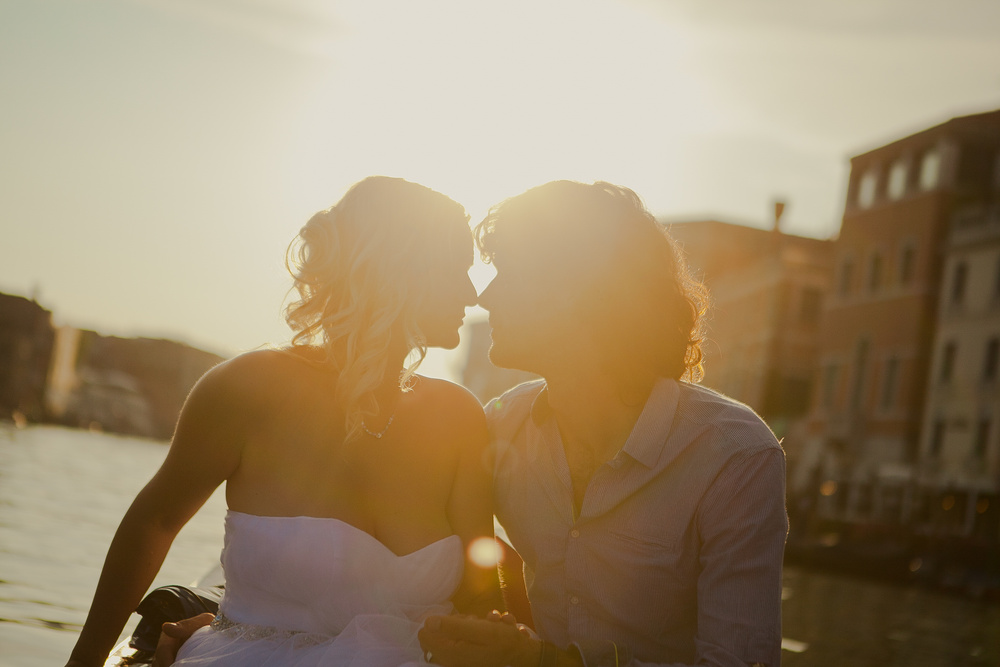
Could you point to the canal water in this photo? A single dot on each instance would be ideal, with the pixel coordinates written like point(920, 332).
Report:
point(63, 492)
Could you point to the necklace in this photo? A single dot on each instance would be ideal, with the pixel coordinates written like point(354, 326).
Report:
point(378, 436)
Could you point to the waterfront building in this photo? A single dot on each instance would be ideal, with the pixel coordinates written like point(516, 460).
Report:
point(879, 324)
point(26, 336)
point(959, 455)
point(767, 292)
point(136, 385)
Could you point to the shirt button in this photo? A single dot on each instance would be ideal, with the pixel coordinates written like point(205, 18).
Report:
point(574, 533)
point(574, 600)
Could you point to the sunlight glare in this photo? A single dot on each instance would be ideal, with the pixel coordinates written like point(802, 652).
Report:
point(482, 102)
point(484, 552)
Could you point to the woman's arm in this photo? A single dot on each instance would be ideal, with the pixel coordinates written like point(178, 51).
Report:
point(204, 452)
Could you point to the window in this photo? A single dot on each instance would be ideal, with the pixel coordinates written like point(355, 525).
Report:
point(897, 179)
point(868, 188)
point(996, 283)
point(947, 362)
point(830, 376)
point(982, 439)
point(937, 437)
point(959, 278)
point(991, 360)
point(875, 273)
point(860, 366)
point(889, 383)
point(907, 259)
point(846, 276)
point(930, 170)
point(812, 305)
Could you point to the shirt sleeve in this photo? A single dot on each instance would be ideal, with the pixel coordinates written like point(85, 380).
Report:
point(742, 527)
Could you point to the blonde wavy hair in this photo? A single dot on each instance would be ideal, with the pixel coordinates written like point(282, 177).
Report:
point(359, 269)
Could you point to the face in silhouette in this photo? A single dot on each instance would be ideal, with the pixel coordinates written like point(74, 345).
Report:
point(447, 293)
point(530, 301)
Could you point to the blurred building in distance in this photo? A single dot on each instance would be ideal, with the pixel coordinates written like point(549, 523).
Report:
point(123, 385)
point(81, 378)
point(767, 293)
point(878, 392)
point(958, 471)
point(26, 336)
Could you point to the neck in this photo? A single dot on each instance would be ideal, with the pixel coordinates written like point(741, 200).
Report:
point(590, 411)
point(386, 394)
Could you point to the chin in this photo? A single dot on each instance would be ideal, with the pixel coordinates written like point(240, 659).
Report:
point(505, 359)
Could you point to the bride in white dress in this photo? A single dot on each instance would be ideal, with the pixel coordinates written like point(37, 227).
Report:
point(355, 487)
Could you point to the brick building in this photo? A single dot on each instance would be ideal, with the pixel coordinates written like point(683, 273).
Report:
point(26, 336)
point(879, 323)
point(958, 476)
point(767, 292)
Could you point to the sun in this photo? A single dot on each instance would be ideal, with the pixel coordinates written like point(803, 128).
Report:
point(482, 102)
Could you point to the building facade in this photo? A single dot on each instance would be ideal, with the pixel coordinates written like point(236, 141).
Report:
point(880, 321)
point(958, 475)
point(26, 336)
point(767, 292)
point(131, 385)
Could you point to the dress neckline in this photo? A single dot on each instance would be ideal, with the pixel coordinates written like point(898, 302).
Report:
point(351, 526)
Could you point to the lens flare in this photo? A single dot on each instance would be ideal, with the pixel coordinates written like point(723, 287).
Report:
point(484, 552)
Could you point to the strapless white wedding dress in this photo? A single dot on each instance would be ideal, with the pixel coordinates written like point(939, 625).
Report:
point(305, 591)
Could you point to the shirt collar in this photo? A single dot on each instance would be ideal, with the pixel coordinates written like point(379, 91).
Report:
point(540, 409)
point(645, 442)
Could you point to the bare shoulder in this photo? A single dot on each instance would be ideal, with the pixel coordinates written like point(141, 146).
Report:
point(245, 381)
point(451, 406)
point(447, 394)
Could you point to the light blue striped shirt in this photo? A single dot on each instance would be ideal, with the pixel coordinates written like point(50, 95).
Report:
point(676, 555)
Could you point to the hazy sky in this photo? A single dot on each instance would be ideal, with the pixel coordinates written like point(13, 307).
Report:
point(157, 156)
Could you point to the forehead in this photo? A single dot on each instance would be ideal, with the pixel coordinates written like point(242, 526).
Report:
point(455, 245)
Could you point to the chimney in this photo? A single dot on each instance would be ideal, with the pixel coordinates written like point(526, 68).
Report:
point(779, 209)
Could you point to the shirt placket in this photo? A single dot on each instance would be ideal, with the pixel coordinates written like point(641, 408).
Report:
point(574, 560)
point(581, 540)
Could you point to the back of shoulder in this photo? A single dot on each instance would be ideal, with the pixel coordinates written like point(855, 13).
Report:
point(448, 392)
point(243, 380)
point(737, 426)
point(458, 406)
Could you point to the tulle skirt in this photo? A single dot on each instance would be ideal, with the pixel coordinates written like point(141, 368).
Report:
point(372, 640)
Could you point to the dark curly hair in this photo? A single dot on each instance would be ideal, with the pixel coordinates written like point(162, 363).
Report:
point(635, 292)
